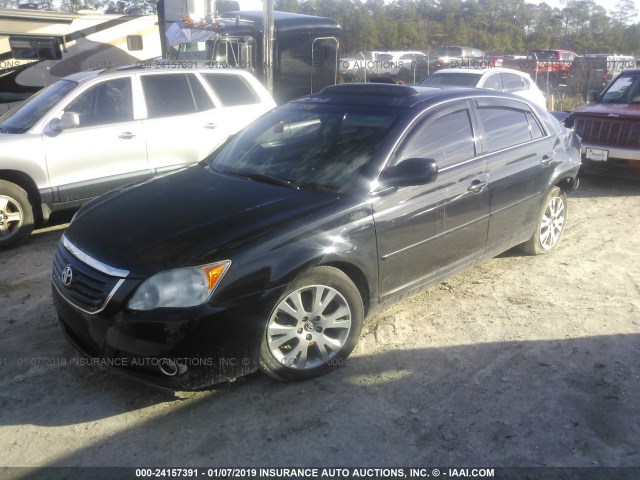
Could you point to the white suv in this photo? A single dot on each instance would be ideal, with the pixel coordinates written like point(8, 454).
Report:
point(94, 131)
point(494, 78)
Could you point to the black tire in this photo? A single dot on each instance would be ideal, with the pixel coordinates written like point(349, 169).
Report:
point(550, 225)
point(300, 342)
point(16, 215)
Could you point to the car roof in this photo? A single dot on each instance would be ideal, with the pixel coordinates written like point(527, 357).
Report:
point(390, 95)
point(80, 76)
point(160, 66)
point(600, 55)
point(480, 71)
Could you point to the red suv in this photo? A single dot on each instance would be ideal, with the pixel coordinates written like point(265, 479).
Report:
point(545, 65)
point(610, 126)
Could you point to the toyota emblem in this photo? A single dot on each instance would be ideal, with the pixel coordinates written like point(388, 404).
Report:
point(67, 276)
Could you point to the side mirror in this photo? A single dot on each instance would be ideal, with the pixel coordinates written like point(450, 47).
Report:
point(592, 96)
point(67, 121)
point(569, 121)
point(410, 172)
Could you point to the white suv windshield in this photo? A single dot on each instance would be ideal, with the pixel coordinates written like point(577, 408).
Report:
point(22, 118)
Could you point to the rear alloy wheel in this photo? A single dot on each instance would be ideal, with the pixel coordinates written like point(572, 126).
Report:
point(550, 225)
point(16, 215)
point(314, 326)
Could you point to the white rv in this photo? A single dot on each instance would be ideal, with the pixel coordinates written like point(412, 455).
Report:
point(38, 48)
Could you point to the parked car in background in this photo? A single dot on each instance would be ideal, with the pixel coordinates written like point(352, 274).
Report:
point(411, 67)
point(452, 56)
point(610, 125)
point(94, 131)
point(270, 253)
point(547, 67)
point(500, 79)
point(595, 71)
point(512, 61)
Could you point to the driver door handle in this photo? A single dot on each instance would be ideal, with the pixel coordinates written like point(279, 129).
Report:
point(126, 135)
point(477, 186)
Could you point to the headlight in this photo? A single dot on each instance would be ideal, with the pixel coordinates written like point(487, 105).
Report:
point(183, 287)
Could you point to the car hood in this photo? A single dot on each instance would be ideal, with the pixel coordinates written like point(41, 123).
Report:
point(613, 110)
point(191, 217)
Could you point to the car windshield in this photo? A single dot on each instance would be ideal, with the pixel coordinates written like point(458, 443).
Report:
point(451, 80)
point(624, 89)
point(309, 146)
point(22, 118)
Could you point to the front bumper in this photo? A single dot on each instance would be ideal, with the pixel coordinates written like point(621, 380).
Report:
point(207, 344)
point(616, 154)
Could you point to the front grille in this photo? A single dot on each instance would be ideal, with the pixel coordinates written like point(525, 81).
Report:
point(620, 133)
point(89, 288)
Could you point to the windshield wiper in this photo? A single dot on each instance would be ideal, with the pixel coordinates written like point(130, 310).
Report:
point(263, 177)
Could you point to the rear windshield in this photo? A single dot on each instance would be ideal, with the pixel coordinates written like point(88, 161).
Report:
point(451, 79)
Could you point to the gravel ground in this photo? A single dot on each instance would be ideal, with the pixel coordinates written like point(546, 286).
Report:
point(523, 361)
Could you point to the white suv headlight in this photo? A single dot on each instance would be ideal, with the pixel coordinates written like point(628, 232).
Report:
point(183, 287)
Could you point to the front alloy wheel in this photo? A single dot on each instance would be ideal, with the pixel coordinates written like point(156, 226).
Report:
point(16, 216)
point(313, 327)
point(550, 224)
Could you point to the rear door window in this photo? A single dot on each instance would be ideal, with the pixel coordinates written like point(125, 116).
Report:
point(200, 96)
point(168, 95)
point(506, 124)
point(232, 90)
point(534, 127)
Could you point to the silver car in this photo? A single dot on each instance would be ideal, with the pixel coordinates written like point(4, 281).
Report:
point(94, 131)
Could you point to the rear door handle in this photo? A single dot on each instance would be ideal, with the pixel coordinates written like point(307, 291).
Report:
point(126, 135)
point(546, 160)
point(477, 186)
point(210, 126)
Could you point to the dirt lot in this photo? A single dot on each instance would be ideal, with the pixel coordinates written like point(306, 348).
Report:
point(523, 361)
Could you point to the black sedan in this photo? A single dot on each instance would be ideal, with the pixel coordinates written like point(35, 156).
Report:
point(270, 253)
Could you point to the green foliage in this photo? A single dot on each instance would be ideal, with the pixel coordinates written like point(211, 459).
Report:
point(496, 26)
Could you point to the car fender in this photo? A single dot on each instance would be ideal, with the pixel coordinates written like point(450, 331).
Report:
point(24, 153)
point(344, 239)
